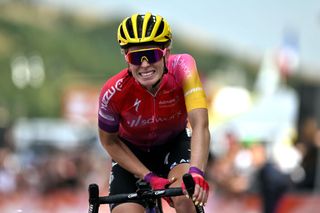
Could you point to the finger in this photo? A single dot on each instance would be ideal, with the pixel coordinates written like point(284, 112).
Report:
point(206, 193)
point(203, 198)
point(198, 189)
point(199, 197)
point(206, 197)
point(196, 192)
point(173, 179)
point(203, 193)
point(169, 182)
point(203, 190)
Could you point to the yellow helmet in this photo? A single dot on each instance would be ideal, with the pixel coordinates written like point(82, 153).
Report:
point(144, 29)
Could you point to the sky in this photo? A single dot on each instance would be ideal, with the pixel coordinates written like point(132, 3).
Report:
point(251, 26)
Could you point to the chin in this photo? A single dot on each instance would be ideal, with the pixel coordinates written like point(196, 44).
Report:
point(148, 82)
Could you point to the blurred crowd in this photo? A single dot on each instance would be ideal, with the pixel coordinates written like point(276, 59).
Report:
point(42, 169)
point(250, 169)
point(244, 169)
point(49, 173)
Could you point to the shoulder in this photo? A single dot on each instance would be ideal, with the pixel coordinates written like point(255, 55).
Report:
point(180, 60)
point(116, 81)
point(116, 85)
point(181, 66)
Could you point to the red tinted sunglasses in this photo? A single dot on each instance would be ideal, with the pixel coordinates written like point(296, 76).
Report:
point(151, 55)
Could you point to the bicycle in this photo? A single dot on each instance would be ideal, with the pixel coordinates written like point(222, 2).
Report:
point(150, 198)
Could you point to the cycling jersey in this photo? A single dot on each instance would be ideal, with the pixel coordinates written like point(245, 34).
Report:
point(145, 119)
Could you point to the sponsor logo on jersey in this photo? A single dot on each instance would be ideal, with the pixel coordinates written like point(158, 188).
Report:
point(137, 104)
point(147, 121)
point(179, 61)
point(166, 159)
point(110, 93)
point(181, 161)
point(193, 90)
point(167, 102)
point(111, 178)
point(106, 116)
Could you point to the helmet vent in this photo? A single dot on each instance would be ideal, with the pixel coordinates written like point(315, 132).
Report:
point(160, 29)
point(150, 25)
point(139, 25)
point(129, 28)
point(122, 33)
point(144, 29)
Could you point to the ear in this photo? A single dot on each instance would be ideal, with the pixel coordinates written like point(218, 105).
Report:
point(124, 53)
point(126, 58)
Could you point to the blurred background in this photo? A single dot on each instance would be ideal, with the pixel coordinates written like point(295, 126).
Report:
point(259, 62)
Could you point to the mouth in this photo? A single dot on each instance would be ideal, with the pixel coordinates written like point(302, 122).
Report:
point(146, 74)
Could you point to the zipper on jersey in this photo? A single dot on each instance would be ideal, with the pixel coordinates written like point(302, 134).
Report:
point(154, 116)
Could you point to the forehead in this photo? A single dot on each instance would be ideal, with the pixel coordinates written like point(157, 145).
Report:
point(142, 47)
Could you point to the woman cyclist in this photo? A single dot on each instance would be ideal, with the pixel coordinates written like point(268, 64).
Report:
point(143, 116)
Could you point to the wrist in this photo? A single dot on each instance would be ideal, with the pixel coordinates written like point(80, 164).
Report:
point(196, 170)
point(148, 176)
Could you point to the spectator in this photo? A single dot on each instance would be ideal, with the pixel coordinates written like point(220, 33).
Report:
point(308, 144)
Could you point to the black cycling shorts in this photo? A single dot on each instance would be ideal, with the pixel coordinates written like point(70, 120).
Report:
point(159, 160)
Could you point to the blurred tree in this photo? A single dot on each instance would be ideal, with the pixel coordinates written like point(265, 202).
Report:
point(75, 49)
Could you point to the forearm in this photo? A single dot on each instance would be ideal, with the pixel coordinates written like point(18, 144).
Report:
point(120, 153)
point(200, 142)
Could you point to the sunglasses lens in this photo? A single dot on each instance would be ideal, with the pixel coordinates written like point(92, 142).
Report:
point(151, 56)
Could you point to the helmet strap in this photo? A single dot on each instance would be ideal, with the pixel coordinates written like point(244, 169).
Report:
point(165, 69)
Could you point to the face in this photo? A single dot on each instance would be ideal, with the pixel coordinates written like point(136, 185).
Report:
point(142, 67)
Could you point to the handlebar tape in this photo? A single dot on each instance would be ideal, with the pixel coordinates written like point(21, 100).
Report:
point(189, 184)
point(93, 198)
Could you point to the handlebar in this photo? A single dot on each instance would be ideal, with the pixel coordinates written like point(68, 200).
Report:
point(189, 184)
point(95, 200)
point(121, 198)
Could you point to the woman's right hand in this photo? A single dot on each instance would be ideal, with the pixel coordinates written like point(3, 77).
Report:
point(157, 182)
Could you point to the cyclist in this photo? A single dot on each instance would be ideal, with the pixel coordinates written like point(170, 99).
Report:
point(144, 111)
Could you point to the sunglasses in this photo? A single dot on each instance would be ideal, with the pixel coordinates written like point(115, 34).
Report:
point(151, 55)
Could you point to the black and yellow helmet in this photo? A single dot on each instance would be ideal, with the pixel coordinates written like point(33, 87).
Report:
point(144, 29)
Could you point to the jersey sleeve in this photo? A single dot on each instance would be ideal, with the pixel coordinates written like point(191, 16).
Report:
point(108, 117)
point(188, 75)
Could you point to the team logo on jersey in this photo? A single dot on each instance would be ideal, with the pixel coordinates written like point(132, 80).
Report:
point(137, 104)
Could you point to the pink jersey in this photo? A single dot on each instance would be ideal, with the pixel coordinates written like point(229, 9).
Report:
point(144, 119)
